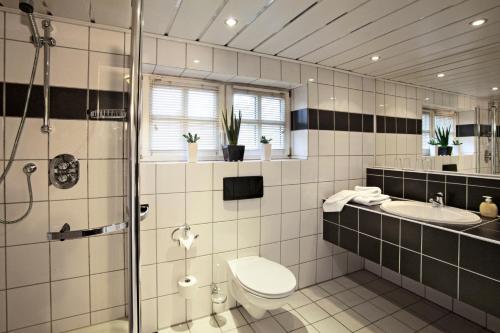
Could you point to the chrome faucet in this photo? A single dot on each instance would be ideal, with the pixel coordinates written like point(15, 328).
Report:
point(437, 200)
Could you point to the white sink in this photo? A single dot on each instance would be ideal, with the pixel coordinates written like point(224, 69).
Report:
point(424, 211)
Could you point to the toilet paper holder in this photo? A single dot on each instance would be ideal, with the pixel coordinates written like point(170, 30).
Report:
point(184, 229)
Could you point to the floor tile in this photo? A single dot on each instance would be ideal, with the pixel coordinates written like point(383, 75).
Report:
point(332, 287)
point(315, 293)
point(454, 323)
point(391, 324)
point(242, 329)
point(298, 299)
point(284, 308)
point(291, 320)
point(312, 313)
point(410, 319)
point(381, 286)
point(369, 311)
point(364, 292)
point(402, 297)
point(431, 329)
point(349, 298)
point(347, 282)
point(427, 311)
point(204, 325)
point(370, 329)
point(181, 328)
point(332, 305)
point(248, 317)
point(306, 329)
point(330, 325)
point(362, 277)
point(267, 325)
point(229, 320)
point(352, 320)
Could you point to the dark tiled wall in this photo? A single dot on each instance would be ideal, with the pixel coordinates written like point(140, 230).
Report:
point(460, 191)
point(332, 121)
point(469, 271)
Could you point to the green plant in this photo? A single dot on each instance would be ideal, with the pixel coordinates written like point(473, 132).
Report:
point(457, 142)
point(442, 137)
point(191, 138)
point(265, 140)
point(231, 126)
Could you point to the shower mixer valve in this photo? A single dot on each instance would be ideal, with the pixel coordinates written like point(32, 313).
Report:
point(64, 171)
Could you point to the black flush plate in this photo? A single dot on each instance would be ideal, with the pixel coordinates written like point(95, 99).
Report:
point(238, 188)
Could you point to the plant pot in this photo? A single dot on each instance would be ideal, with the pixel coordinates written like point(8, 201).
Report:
point(265, 153)
point(192, 152)
point(445, 151)
point(233, 152)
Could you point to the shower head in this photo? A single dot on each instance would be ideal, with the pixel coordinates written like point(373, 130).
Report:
point(26, 6)
point(29, 168)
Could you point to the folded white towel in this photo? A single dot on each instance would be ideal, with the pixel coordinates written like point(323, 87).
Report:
point(368, 196)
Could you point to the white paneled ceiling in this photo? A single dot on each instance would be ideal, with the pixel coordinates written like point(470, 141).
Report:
point(415, 39)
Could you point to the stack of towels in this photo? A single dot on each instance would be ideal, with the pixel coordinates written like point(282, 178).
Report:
point(364, 195)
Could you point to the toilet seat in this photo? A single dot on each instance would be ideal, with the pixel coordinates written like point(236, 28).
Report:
point(264, 278)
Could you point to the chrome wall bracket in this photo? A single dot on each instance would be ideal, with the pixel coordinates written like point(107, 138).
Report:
point(64, 171)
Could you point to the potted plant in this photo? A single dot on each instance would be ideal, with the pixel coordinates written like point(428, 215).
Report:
point(192, 141)
point(267, 149)
point(442, 141)
point(232, 151)
point(457, 143)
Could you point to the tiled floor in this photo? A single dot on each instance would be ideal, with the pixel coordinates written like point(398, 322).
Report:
point(360, 302)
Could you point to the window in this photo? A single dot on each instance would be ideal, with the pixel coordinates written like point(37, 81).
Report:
point(262, 114)
point(176, 110)
point(431, 120)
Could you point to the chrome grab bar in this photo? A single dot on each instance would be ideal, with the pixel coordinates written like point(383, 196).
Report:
point(66, 232)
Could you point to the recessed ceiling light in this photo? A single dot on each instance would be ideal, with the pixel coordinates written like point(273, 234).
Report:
point(494, 88)
point(332, 98)
point(196, 61)
point(479, 22)
point(381, 105)
point(310, 79)
point(440, 75)
point(427, 98)
point(375, 58)
point(231, 21)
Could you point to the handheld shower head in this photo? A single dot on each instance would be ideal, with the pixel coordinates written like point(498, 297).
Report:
point(29, 168)
point(26, 6)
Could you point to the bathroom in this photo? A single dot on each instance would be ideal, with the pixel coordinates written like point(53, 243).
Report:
point(113, 221)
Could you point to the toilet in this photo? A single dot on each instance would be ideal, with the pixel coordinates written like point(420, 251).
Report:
point(260, 284)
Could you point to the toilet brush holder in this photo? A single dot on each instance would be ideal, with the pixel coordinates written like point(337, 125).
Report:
point(218, 297)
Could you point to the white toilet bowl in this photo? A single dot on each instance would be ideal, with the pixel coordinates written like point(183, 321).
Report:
point(260, 284)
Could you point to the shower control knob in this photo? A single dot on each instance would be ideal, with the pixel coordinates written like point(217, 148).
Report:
point(64, 171)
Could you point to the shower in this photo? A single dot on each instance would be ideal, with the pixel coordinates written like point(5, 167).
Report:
point(46, 42)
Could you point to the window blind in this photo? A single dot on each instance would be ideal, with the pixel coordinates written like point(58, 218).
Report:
point(176, 110)
point(262, 114)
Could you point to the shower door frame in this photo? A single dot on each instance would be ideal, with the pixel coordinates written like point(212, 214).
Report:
point(133, 191)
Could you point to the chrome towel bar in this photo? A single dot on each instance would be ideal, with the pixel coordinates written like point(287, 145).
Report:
point(66, 232)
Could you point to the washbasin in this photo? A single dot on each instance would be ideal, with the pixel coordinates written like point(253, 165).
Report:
point(426, 212)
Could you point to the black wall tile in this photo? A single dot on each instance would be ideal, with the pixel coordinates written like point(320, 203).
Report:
point(488, 182)
point(419, 126)
point(390, 229)
point(440, 276)
point(393, 186)
point(325, 120)
point(435, 187)
point(106, 99)
point(475, 196)
point(331, 232)
point(466, 130)
point(411, 126)
point(313, 119)
point(380, 124)
point(480, 292)
point(415, 189)
point(374, 171)
point(355, 122)
point(390, 256)
point(348, 240)
point(410, 264)
point(480, 256)
point(390, 125)
point(484, 130)
point(440, 244)
point(411, 235)
point(415, 175)
point(15, 98)
point(300, 119)
point(331, 217)
point(456, 195)
point(401, 125)
point(456, 179)
point(368, 123)
point(369, 248)
point(370, 223)
point(348, 217)
point(372, 180)
point(68, 103)
point(341, 121)
point(436, 177)
point(393, 173)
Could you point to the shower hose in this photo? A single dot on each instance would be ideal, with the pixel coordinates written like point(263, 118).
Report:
point(29, 168)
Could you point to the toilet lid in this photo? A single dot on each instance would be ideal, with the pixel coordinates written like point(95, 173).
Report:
point(264, 277)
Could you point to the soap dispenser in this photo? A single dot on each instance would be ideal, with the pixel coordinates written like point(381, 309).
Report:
point(488, 208)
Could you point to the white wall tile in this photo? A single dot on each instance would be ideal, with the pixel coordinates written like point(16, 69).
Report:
point(203, 244)
point(105, 139)
point(225, 236)
point(27, 264)
point(171, 209)
point(341, 99)
point(308, 196)
point(290, 252)
point(326, 168)
point(199, 57)
point(28, 306)
point(69, 259)
point(341, 79)
point(34, 227)
point(68, 136)
point(325, 97)
point(355, 143)
point(68, 67)
point(106, 71)
point(308, 222)
point(105, 178)
point(198, 207)
point(270, 229)
point(248, 66)
point(250, 168)
point(290, 225)
point(308, 74)
point(148, 178)
point(271, 171)
point(325, 76)
point(107, 41)
point(341, 143)
point(166, 249)
point(33, 143)
point(248, 232)
point(224, 210)
point(309, 170)
point(290, 172)
point(3, 311)
point(106, 253)
point(17, 56)
point(355, 101)
point(169, 311)
point(201, 268)
point(70, 35)
point(324, 269)
point(307, 274)
point(271, 202)
point(326, 143)
point(312, 143)
point(341, 168)
point(171, 178)
point(148, 281)
point(168, 275)
point(149, 317)
point(369, 102)
point(103, 211)
point(368, 84)
point(290, 198)
point(107, 290)
point(198, 177)
point(222, 170)
point(70, 297)
point(248, 208)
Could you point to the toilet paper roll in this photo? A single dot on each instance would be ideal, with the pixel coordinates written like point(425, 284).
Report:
point(188, 286)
